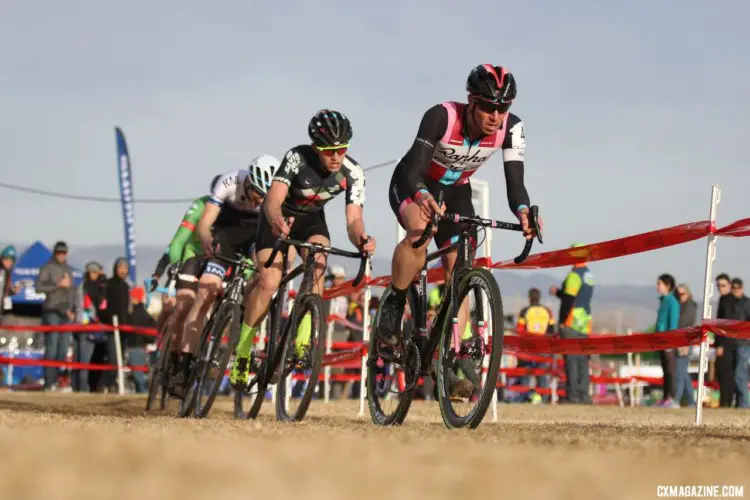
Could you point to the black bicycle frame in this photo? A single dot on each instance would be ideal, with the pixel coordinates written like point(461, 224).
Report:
point(464, 262)
point(307, 269)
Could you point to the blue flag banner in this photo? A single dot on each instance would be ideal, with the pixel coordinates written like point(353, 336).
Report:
point(126, 199)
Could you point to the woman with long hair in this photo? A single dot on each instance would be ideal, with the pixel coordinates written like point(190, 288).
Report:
point(667, 319)
point(688, 312)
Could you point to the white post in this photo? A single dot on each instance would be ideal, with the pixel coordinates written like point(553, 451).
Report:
point(365, 337)
point(708, 291)
point(327, 369)
point(639, 385)
point(12, 351)
point(618, 391)
point(118, 355)
point(631, 373)
point(553, 396)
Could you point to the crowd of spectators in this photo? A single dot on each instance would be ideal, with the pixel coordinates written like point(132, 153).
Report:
point(97, 300)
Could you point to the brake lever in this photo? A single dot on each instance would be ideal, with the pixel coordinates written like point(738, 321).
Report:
point(428, 228)
point(362, 269)
point(275, 252)
point(534, 224)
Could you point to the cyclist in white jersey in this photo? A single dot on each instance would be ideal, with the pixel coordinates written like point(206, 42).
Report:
point(231, 213)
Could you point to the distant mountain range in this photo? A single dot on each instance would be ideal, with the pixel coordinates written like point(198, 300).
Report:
point(616, 307)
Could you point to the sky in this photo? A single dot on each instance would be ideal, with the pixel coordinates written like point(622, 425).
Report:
point(631, 110)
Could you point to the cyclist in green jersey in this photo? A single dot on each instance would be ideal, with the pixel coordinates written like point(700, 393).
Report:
point(186, 252)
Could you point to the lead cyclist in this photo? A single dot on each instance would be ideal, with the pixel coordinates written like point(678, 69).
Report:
point(453, 141)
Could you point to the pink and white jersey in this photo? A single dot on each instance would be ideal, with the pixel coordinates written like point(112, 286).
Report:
point(456, 159)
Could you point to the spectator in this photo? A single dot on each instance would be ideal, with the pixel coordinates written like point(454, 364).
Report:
point(535, 319)
point(667, 318)
point(7, 290)
point(137, 342)
point(741, 312)
point(682, 381)
point(337, 306)
point(575, 322)
point(355, 314)
point(726, 347)
point(118, 304)
point(55, 280)
point(92, 304)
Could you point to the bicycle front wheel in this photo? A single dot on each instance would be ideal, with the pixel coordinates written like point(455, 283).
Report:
point(469, 361)
point(213, 360)
point(159, 370)
point(301, 359)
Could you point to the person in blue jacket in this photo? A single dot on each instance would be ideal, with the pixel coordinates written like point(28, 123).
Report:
point(667, 318)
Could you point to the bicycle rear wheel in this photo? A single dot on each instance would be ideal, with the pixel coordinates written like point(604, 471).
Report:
point(247, 403)
point(223, 337)
point(187, 404)
point(159, 370)
point(300, 359)
point(392, 374)
point(477, 359)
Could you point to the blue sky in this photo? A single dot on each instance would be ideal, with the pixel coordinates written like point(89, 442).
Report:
point(632, 110)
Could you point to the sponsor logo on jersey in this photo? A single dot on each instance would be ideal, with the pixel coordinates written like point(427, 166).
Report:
point(293, 162)
point(452, 155)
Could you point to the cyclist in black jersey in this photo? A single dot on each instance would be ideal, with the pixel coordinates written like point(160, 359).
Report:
point(453, 141)
point(309, 177)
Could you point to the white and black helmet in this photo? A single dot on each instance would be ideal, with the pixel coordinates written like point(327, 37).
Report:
point(262, 169)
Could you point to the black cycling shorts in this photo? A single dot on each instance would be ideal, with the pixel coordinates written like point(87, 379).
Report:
point(234, 231)
point(457, 200)
point(305, 226)
point(189, 273)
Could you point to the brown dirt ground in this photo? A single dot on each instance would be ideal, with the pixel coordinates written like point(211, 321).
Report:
point(65, 446)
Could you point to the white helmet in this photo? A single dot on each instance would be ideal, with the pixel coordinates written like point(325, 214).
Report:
point(262, 169)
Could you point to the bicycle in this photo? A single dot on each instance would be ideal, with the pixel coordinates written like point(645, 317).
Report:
point(216, 346)
point(301, 365)
point(161, 368)
point(413, 356)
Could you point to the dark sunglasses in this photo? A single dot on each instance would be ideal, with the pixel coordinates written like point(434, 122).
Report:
point(491, 107)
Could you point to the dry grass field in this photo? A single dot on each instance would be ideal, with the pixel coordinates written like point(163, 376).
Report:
point(80, 447)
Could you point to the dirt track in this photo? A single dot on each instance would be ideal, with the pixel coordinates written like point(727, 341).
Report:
point(63, 446)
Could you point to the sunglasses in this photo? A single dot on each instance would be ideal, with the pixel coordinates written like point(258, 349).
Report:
point(491, 107)
point(334, 150)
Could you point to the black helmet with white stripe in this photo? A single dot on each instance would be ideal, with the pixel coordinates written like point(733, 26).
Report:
point(329, 128)
point(262, 169)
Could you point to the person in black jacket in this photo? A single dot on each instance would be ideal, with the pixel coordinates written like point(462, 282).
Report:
point(136, 342)
point(117, 293)
point(93, 301)
point(741, 312)
point(725, 346)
